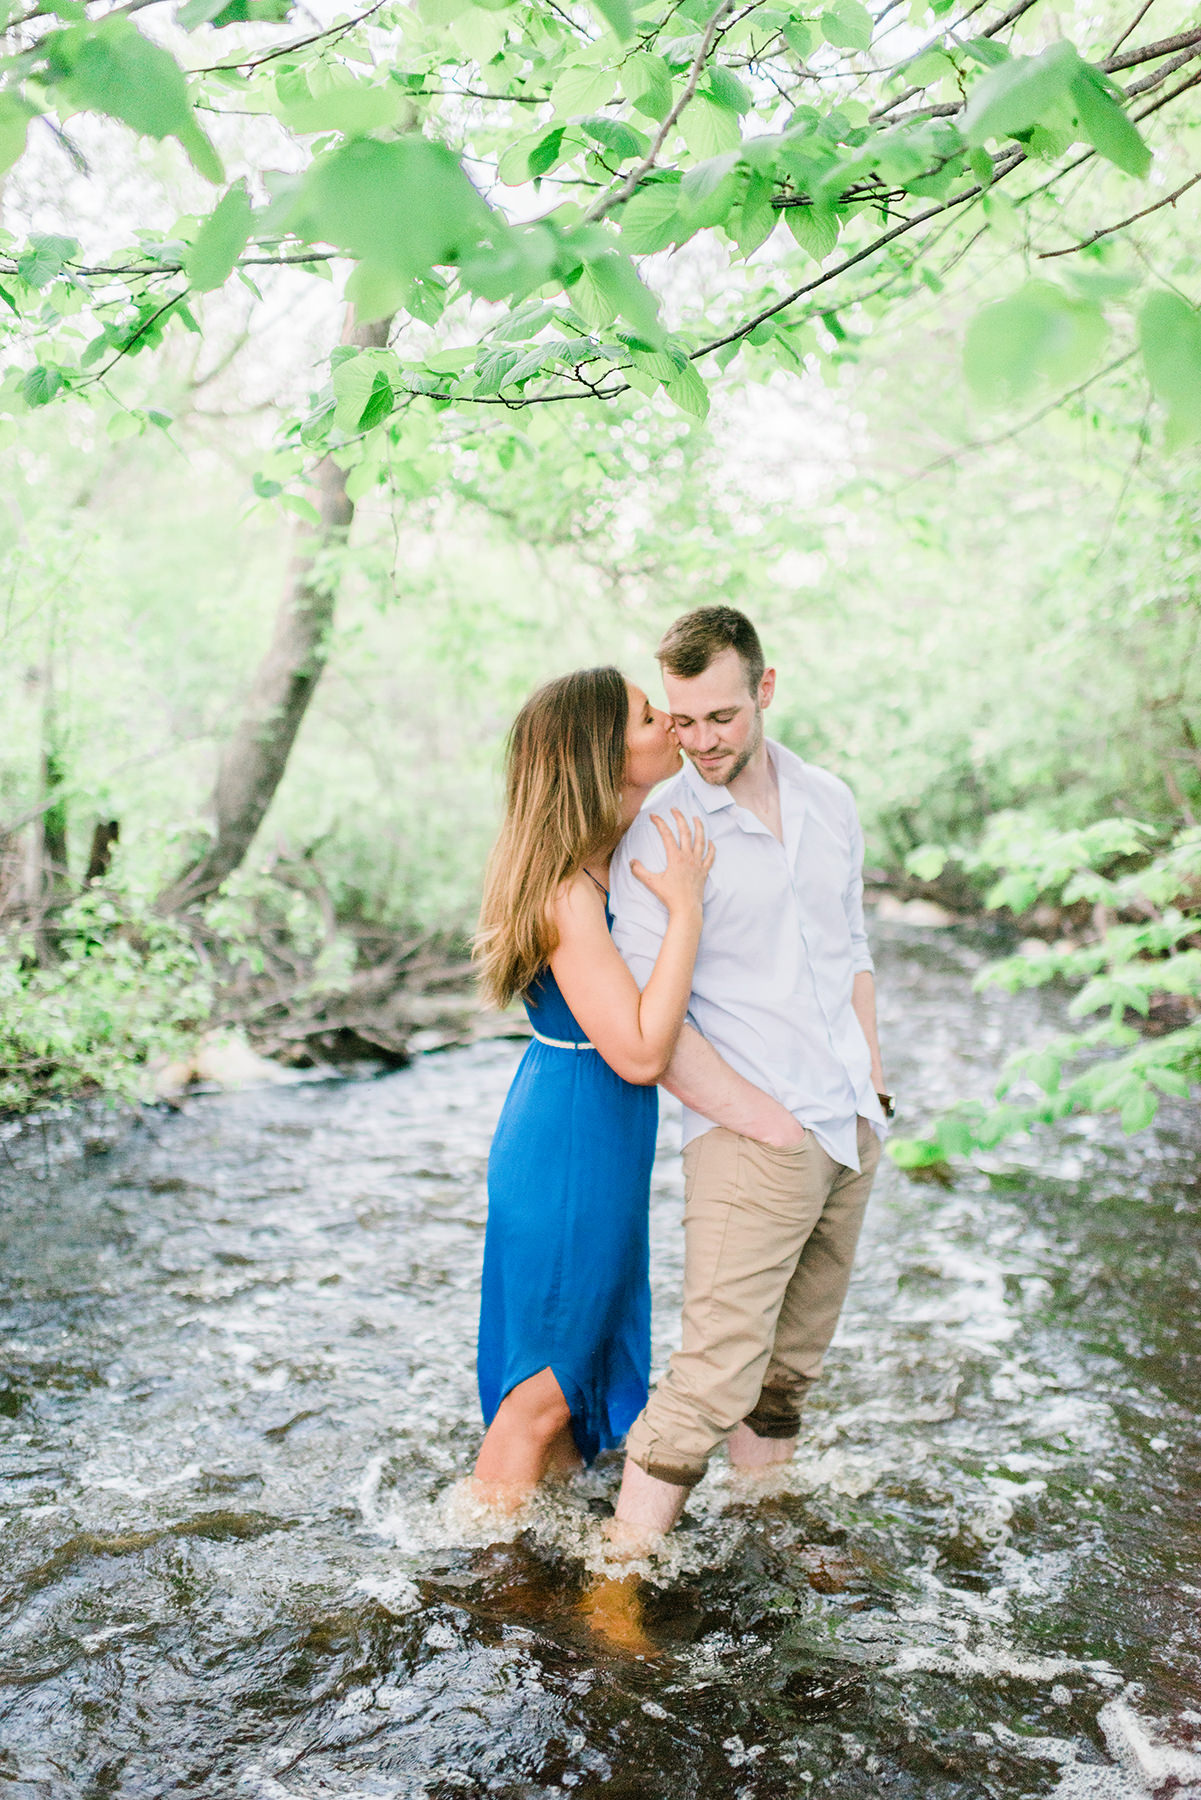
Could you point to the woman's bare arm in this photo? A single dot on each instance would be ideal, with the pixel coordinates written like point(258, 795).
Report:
point(707, 1084)
point(634, 1031)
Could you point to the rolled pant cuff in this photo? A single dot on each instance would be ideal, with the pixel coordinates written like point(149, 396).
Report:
point(684, 1475)
point(777, 1412)
point(774, 1424)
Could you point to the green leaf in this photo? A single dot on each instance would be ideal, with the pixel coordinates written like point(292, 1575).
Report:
point(1019, 93)
point(352, 108)
point(618, 16)
point(547, 152)
point(646, 81)
point(40, 385)
point(756, 218)
point(661, 365)
point(981, 165)
point(399, 207)
point(607, 288)
point(109, 67)
point(1045, 1070)
point(915, 1153)
point(533, 155)
point(703, 179)
point(14, 121)
point(726, 89)
point(1169, 332)
point(1106, 123)
point(1170, 1081)
point(44, 259)
point(930, 66)
point(211, 260)
point(582, 90)
point(986, 51)
point(708, 129)
point(358, 383)
point(847, 25)
point(815, 229)
point(651, 219)
point(1139, 1110)
point(1038, 334)
point(615, 135)
point(688, 391)
point(799, 38)
point(380, 402)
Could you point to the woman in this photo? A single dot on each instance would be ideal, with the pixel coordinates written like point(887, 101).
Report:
point(564, 1343)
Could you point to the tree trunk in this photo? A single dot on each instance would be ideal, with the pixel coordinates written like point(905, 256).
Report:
point(47, 875)
point(253, 762)
point(105, 833)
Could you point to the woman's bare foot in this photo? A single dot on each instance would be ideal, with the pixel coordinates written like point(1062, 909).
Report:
point(505, 1497)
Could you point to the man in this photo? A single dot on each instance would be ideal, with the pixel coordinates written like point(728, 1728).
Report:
point(781, 1080)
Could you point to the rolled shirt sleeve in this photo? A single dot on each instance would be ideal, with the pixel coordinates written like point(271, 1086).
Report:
point(852, 899)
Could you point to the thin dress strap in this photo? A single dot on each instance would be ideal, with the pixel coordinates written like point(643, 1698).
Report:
point(600, 884)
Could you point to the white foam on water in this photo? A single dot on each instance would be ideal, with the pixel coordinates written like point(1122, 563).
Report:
point(396, 1593)
point(989, 1661)
point(557, 1518)
point(1133, 1747)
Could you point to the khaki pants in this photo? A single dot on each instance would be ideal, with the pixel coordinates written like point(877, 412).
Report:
point(769, 1239)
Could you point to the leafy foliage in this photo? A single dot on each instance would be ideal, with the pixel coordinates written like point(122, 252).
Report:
point(1146, 949)
point(653, 125)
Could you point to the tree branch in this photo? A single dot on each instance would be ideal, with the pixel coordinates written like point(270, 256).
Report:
point(1183, 40)
point(643, 169)
point(1107, 230)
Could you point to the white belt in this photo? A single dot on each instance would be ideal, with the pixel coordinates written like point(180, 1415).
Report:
point(561, 1043)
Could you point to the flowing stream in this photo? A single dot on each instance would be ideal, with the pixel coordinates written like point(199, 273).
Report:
point(237, 1401)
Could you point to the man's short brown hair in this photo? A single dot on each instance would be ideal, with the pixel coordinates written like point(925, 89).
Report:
point(695, 639)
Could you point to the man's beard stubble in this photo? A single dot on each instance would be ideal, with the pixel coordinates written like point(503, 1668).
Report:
point(723, 775)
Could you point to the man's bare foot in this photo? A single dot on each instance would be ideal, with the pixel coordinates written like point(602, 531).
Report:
point(754, 1455)
point(647, 1508)
point(630, 1543)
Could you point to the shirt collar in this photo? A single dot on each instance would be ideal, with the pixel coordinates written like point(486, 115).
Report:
point(790, 771)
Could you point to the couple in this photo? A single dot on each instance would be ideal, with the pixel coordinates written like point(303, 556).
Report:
point(727, 960)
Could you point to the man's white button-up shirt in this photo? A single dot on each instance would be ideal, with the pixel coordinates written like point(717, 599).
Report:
point(782, 942)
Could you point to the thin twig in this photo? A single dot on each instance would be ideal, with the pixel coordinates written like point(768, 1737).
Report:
point(256, 62)
point(1137, 20)
point(1108, 230)
point(1003, 437)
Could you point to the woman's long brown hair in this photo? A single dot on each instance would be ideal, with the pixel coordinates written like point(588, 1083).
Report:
point(564, 768)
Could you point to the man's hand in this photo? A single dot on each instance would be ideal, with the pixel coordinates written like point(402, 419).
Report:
point(780, 1130)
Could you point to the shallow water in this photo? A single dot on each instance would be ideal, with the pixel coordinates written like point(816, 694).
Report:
point(236, 1396)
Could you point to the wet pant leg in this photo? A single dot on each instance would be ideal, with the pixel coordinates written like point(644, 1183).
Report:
point(749, 1212)
point(814, 1297)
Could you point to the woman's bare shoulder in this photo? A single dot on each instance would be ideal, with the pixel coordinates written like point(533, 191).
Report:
point(577, 902)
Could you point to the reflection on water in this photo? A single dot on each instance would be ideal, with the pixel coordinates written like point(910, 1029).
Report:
point(237, 1397)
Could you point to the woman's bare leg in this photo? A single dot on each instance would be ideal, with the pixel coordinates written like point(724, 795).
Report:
point(563, 1459)
point(517, 1445)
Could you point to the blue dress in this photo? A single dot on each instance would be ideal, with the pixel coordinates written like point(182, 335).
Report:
point(566, 1279)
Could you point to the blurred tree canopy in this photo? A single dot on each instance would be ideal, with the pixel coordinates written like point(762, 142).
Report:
point(503, 177)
